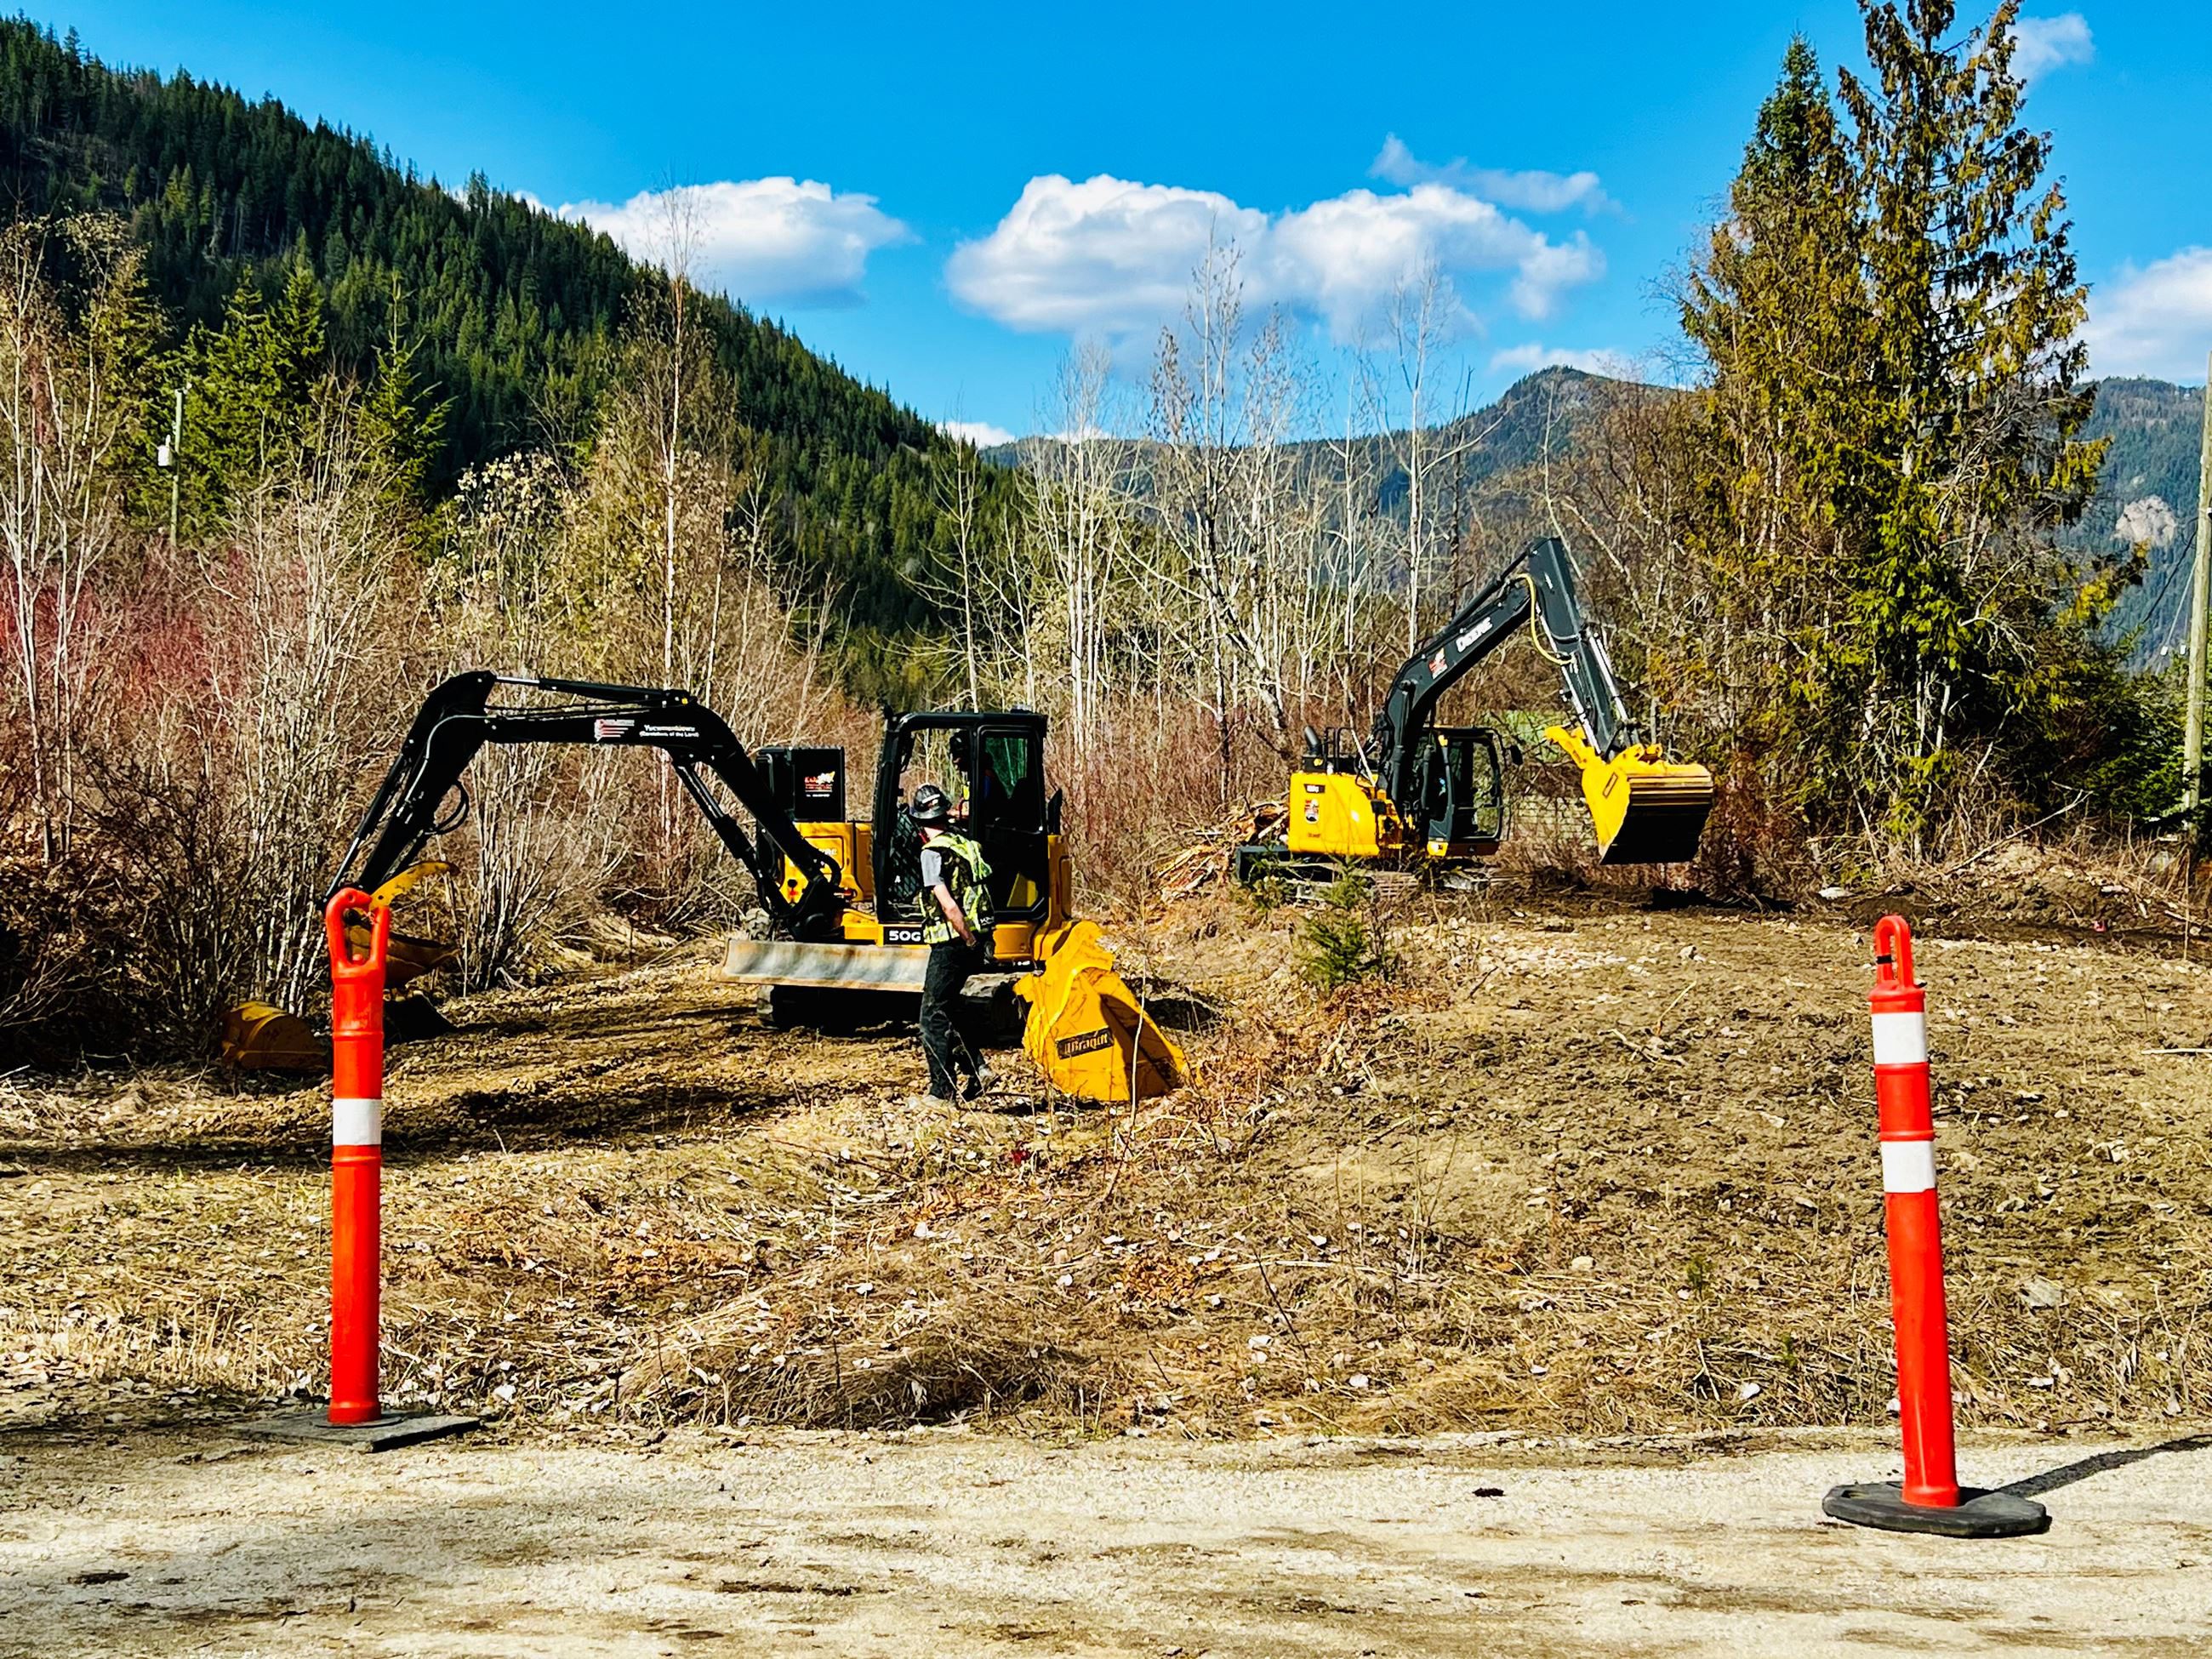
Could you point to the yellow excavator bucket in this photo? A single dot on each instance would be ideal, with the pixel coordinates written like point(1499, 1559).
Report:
point(1086, 1031)
point(406, 957)
point(1644, 808)
point(261, 1036)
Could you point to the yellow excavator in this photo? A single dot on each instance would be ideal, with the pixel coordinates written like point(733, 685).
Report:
point(1415, 789)
point(840, 898)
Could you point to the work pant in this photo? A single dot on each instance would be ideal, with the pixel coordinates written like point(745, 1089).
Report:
point(949, 1048)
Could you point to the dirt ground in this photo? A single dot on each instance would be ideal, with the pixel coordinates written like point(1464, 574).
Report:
point(1587, 1165)
point(1592, 1164)
point(941, 1542)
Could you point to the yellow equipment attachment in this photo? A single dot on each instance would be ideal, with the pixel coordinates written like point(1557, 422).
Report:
point(1086, 1031)
point(261, 1036)
point(407, 958)
point(1644, 808)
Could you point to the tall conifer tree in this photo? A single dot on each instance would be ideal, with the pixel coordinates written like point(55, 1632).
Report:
point(1889, 435)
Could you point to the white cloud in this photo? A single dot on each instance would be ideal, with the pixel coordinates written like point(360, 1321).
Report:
point(2156, 320)
point(789, 239)
point(1535, 191)
point(1114, 258)
point(1528, 358)
point(2041, 45)
point(981, 434)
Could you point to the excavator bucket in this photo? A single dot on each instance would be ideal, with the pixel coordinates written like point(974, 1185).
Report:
point(261, 1036)
point(1644, 808)
point(1086, 1031)
point(407, 958)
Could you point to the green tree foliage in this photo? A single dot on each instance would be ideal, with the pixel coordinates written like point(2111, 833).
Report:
point(1344, 940)
point(251, 407)
point(1889, 440)
point(509, 320)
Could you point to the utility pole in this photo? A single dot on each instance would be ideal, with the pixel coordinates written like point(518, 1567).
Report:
point(2200, 601)
point(171, 455)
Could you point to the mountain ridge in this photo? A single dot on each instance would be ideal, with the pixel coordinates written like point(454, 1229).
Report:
point(514, 315)
point(2152, 466)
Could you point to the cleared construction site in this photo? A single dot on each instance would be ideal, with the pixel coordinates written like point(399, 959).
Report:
point(1498, 945)
point(650, 1237)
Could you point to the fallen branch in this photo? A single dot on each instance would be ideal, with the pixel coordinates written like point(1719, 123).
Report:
point(1633, 1047)
point(2006, 841)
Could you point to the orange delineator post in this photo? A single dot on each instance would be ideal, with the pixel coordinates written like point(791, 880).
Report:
point(357, 1156)
point(1929, 1498)
point(1900, 1004)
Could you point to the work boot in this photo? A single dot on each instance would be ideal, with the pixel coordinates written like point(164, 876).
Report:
point(982, 1083)
point(931, 1103)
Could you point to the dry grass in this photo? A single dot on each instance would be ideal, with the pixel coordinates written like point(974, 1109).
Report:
point(1598, 1170)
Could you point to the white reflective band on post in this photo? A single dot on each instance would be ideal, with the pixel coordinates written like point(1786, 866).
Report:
point(1900, 1039)
point(356, 1122)
point(1908, 1166)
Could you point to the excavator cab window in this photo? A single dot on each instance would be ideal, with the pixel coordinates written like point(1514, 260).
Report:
point(992, 766)
point(1462, 792)
point(1007, 818)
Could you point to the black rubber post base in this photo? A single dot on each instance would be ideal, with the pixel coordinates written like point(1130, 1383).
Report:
point(314, 1426)
point(1979, 1515)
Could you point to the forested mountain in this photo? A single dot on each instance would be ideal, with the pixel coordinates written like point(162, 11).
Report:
point(2149, 475)
point(2150, 478)
point(512, 315)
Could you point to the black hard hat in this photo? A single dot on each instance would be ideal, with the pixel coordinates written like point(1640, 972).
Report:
point(929, 806)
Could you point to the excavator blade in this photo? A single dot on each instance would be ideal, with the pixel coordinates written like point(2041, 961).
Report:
point(1644, 809)
point(778, 962)
point(1086, 1029)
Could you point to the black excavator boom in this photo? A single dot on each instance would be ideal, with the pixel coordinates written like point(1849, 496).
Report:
point(458, 719)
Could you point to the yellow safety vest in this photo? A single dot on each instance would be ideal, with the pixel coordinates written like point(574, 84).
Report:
point(966, 878)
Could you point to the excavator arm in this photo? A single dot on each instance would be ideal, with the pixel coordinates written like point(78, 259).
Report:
point(456, 719)
point(1646, 809)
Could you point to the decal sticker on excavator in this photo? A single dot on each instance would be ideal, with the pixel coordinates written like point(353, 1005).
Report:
point(612, 731)
point(1083, 1043)
point(671, 731)
point(1314, 788)
point(902, 935)
point(1313, 810)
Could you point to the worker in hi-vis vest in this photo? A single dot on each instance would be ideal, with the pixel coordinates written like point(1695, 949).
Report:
point(956, 908)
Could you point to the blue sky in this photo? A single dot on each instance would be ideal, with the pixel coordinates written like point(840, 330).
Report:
point(944, 200)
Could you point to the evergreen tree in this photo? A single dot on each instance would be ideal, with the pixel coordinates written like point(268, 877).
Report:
point(1889, 438)
point(513, 317)
point(252, 390)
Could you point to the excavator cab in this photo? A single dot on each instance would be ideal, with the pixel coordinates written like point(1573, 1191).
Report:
point(993, 765)
point(1463, 793)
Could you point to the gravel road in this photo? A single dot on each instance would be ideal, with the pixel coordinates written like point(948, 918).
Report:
point(173, 1541)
